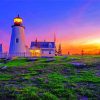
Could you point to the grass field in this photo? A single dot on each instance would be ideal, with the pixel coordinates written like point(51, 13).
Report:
point(59, 78)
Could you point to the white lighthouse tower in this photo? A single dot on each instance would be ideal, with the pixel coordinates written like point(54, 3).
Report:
point(17, 42)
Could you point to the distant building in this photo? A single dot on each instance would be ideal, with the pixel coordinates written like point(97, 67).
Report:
point(42, 48)
point(0, 48)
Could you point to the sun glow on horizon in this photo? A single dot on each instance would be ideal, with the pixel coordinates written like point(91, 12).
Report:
point(95, 41)
point(91, 46)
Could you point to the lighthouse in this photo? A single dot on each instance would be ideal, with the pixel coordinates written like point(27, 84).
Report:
point(17, 42)
point(0, 48)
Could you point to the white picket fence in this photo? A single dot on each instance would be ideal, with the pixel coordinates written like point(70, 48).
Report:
point(7, 55)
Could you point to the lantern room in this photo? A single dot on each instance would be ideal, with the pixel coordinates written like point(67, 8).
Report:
point(18, 21)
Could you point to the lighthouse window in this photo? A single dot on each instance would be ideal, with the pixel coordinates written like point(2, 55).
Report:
point(17, 40)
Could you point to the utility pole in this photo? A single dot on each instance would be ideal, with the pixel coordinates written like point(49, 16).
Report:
point(82, 52)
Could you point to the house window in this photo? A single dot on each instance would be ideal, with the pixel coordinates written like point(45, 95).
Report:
point(17, 40)
point(50, 45)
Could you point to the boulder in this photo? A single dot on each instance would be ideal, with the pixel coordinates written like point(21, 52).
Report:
point(32, 59)
point(4, 67)
point(78, 64)
point(50, 59)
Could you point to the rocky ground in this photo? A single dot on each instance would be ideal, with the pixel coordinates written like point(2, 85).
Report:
point(59, 78)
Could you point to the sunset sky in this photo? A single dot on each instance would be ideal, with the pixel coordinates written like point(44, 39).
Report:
point(76, 23)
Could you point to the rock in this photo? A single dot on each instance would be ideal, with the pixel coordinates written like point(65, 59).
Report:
point(4, 68)
point(73, 59)
point(64, 57)
point(40, 71)
point(78, 64)
point(46, 81)
point(83, 98)
point(65, 71)
point(32, 59)
point(50, 59)
point(21, 79)
point(98, 74)
point(9, 58)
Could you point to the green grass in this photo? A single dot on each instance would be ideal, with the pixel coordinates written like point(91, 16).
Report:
point(4, 77)
point(28, 75)
point(16, 62)
point(86, 76)
point(49, 96)
point(55, 80)
point(86, 92)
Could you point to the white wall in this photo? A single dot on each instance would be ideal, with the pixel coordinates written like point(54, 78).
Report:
point(17, 32)
point(46, 52)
